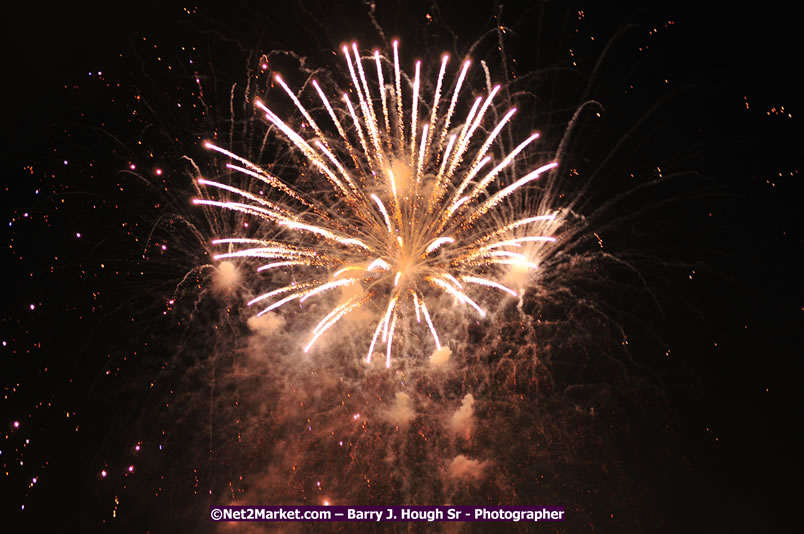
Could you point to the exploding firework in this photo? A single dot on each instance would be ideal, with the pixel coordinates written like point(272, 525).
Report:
point(411, 213)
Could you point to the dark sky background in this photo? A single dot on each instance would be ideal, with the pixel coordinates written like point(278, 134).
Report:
point(729, 246)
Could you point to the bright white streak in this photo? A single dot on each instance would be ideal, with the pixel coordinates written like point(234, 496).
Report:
point(414, 112)
point(276, 292)
point(503, 164)
point(518, 240)
point(422, 148)
point(328, 286)
point(339, 272)
point(464, 140)
point(245, 194)
point(337, 123)
point(390, 342)
point(452, 103)
point(324, 232)
point(430, 324)
point(358, 129)
point(244, 208)
point(257, 172)
point(282, 264)
point(302, 145)
point(388, 312)
point(384, 213)
point(489, 283)
point(379, 264)
point(374, 339)
point(416, 306)
point(383, 98)
point(438, 242)
point(400, 124)
point(334, 316)
point(457, 294)
point(301, 108)
point(453, 280)
point(271, 252)
point(368, 108)
point(436, 100)
point(497, 197)
point(279, 303)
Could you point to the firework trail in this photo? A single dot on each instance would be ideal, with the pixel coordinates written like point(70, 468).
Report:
point(410, 207)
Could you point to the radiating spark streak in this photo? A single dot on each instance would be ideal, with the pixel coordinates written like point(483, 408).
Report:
point(279, 291)
point(246, 194)
point(379, 264)
point(397, 209)
point(497, 197)
point(383, 97)
point(400, 123)
point(484, 253)
point(366, 106)
point(469, 177)
point(489, 283)
point(507, 254)
point(455, 158)
point(273, 252)
point(390, 342)
point(430, 325)
point(341, 170)
point(453, 280)
point(326, 233)
point(414, 113)
point(503, 164)
point(283, 264)
point(381, 206)
point(494, 133)
point(374, 339)
point(396, 278)
point(464, 142)
point(306, 149)
point(328, 286)
point(339, 272)
point(338, 125)
point(437, 186)
point(335, 311)
point(279, 303)
point(243, 208)
point(391, 305)
point(517, 262)
point(457, 294)
point(491, 175)
point(515, 224)
point(367, 94)
point(518, 240)
point(422, 148)
point(245, 240)
point(301, 108)
point(416, 306)
point(451, 108)
point(255, 171)
point(438, 242)
point(333, 317)
point(454, 207)
point(436, 100)
point(359, 131)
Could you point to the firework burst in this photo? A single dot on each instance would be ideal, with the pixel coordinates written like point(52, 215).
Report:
point(411, 211)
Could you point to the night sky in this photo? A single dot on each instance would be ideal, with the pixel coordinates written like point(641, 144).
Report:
point(652, 386)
